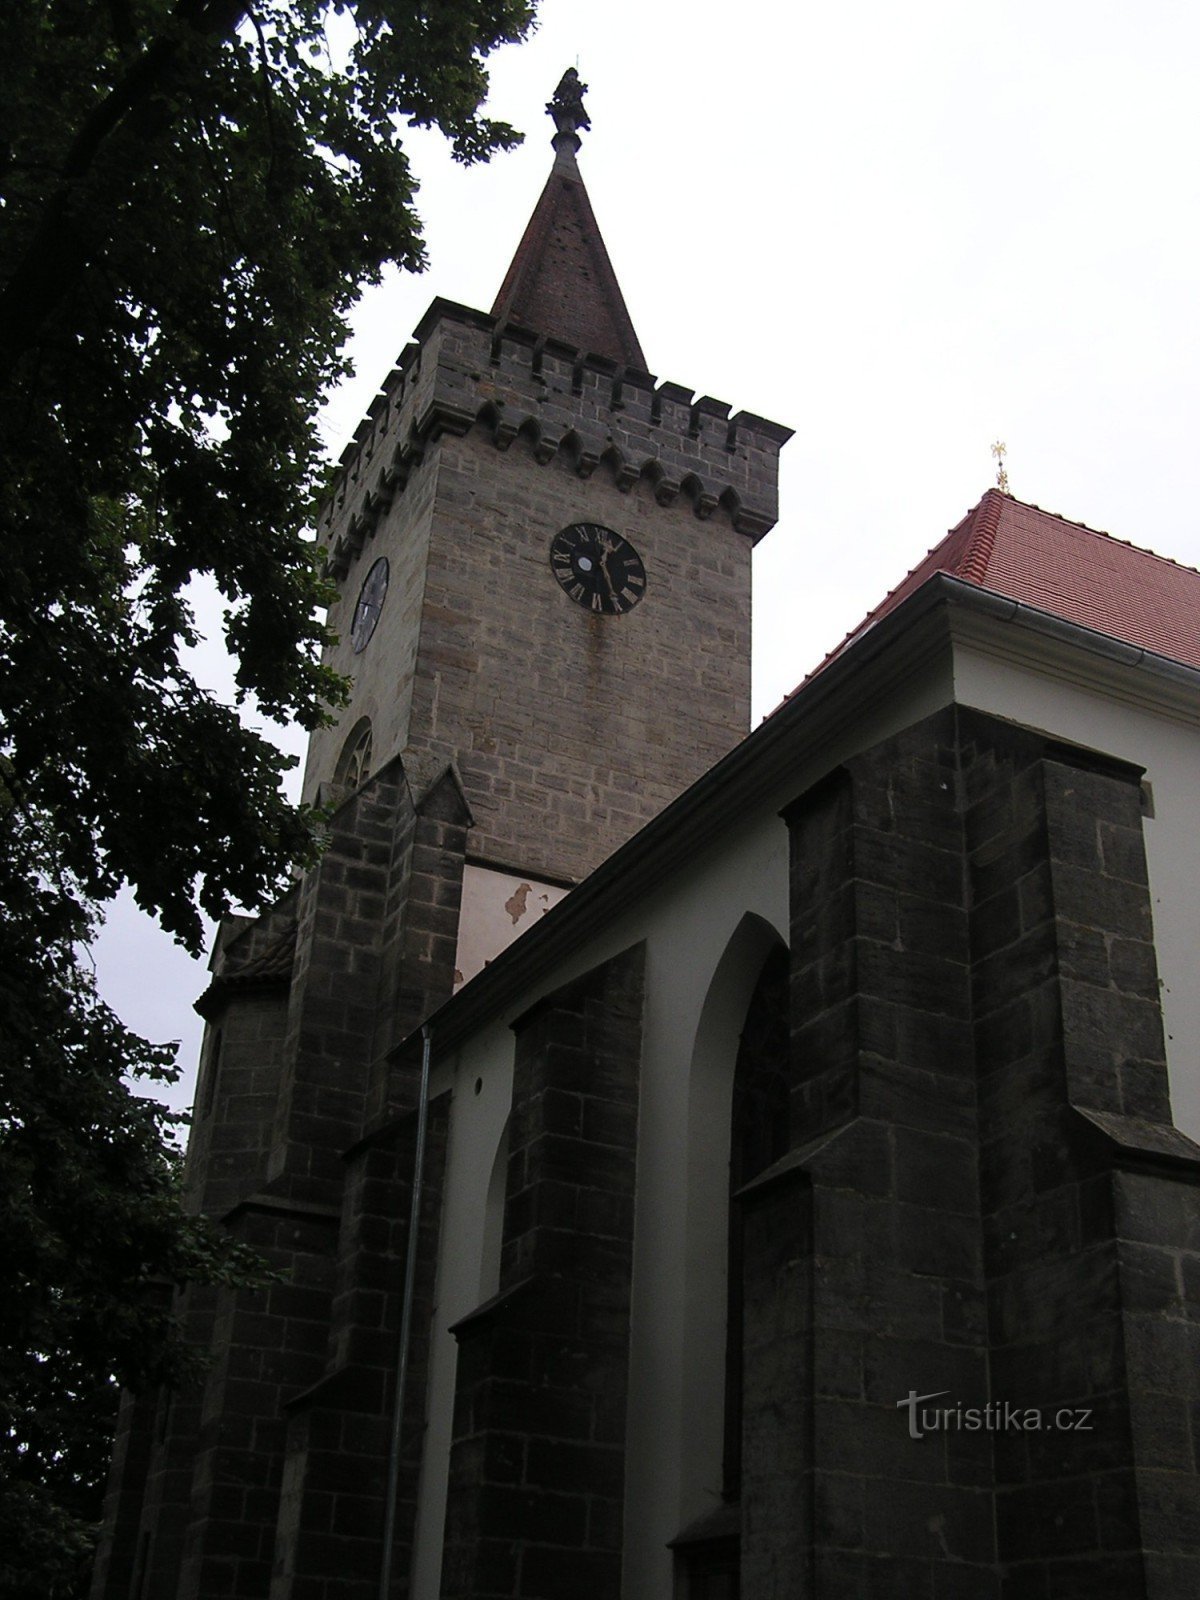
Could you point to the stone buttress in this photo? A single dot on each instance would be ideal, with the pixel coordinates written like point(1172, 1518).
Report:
point(985, 1200)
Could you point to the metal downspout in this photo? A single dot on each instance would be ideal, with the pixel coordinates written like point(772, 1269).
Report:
point(406, 1315)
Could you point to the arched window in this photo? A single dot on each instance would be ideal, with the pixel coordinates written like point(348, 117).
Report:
point(354, 764)
point(739, 1117)
point(493, 1221)
point(759, 1136)
point(709, 1549)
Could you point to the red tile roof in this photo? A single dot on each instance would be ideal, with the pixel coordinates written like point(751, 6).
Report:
point(1075, 572)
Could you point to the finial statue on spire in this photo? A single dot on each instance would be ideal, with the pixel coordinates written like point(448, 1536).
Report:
point(1000, 450)
point(566, 107)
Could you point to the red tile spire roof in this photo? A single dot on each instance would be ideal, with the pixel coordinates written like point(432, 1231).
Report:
point(1072, 571)
point(561, 281)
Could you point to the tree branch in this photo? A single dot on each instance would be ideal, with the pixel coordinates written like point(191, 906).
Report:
point(268, 109)
point(58, 252)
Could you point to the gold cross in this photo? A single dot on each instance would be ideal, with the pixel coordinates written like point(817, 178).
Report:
point(1000, 450)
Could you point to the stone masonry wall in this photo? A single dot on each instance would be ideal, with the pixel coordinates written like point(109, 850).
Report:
point(537, 1465)
point(1073, 1087)
point(420, 937)
point(985, 1201)
point(301, 1072)
point(332, 1016)
point(267, 1345)
point(236, 1097)
point(570, 731)
point(463, 367)
point(882, 1289)
point(329, 1541)
point(383, 673)
point(378, 917)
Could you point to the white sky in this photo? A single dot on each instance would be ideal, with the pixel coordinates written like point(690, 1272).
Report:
point(904, 231)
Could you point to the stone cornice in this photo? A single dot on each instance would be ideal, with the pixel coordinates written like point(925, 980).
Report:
point(472, 372)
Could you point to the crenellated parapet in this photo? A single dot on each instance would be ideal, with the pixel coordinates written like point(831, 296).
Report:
point(467, 370)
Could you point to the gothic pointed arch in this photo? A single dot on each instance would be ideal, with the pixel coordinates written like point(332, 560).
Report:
point(752, 947)
point(759, 1135)
point(692, 488)
point(493, 1218)
point(354, 763)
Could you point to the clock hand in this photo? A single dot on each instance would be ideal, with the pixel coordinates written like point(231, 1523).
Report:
point(612, 583)
point(608, 580)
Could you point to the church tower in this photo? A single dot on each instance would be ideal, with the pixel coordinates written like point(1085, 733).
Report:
point(543, 559)
point(542, 556)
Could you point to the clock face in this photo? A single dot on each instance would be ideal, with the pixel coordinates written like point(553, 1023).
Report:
point(370, 604)
point(599, 569)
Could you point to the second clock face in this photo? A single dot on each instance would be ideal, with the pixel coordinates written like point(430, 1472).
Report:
point(599, 569)
point(370, 604)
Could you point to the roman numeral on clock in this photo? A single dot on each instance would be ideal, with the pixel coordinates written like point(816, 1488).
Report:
point(597, 568)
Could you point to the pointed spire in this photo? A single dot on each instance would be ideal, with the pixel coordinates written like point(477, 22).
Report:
point(561, 282)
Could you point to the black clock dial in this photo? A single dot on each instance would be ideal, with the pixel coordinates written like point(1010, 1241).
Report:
point(370, 604)
point(599, 569)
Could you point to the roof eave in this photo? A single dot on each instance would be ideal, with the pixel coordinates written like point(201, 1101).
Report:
point(935, 617)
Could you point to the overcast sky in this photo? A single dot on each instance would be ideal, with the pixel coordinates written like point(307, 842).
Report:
point(904, 231)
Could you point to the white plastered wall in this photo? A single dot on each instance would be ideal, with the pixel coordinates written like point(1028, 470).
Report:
point(497, 907)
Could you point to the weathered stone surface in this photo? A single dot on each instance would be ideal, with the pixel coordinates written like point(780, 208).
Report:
point(1029, 1238)
point(538, 1466)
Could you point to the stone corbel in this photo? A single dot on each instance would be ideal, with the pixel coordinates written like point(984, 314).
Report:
point(379, 499)
point(503, 432)
point(337, 559)
point(444, 417)
point(755, 523)
point(356, 533)
point(546, 447)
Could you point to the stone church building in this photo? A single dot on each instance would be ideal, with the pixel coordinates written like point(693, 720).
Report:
point(696, 1164)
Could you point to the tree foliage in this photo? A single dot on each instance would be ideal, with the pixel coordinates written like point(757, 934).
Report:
point(93, 1233)
point(191, 194)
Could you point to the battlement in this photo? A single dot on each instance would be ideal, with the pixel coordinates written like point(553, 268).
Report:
point(466, 370)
